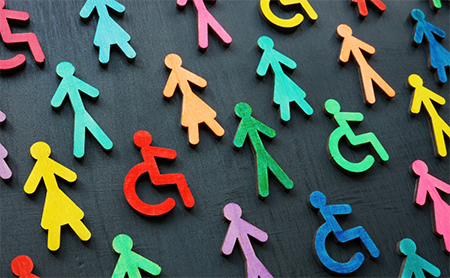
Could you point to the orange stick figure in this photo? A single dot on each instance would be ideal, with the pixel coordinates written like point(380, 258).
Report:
point(352, 45)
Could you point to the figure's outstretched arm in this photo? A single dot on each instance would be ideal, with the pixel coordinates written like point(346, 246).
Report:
point(264, 129)
point(87, 9)
point(365, 46)
point(255, 232)
point(165, 153)
point(350, 116)
point(437, 98)
point(59, 95)
point(285, 60)
point(229, 241)
point(87, 89)
point(240, 136)
point(428, 267)
point(263, 65)
point(33, 180)
point(444, 187)
point(17, 15)
point(194, 79)
point(113, 4)
point(63, 172)
point(171, 85)
point(342, 209)
point(438, 32)
point(181, 3)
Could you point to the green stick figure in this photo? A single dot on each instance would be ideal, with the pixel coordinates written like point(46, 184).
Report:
point(250, 126)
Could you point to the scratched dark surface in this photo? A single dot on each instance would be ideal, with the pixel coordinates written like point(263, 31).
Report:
point(187, 243)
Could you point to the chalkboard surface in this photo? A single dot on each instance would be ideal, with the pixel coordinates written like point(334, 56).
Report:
point(186, 243)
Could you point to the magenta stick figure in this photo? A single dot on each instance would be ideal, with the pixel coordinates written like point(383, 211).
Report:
point(428, 185)
point(240, 230)
point(5, 171)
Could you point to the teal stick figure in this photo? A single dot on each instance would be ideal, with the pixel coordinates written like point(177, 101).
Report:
point(285, 90)
point(129, 261)
point(71, 86)
point(341, 119)
point(250, 126)
point(414, 264)
point(108, 31)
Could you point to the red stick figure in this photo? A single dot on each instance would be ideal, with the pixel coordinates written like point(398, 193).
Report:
point(8, 37)
point(361, 8)
point(22, 266)
point(143, 139)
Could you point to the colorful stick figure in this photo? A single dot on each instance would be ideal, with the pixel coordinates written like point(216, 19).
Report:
point(240, 231)
point(429, 185)
point(5, 171)
point(251, 127)
point(318, 201)
point(129, 262)
point(438, 56)
point(195, 111)
point(361, 7)
point(436, 4)
point(205, 20)
point(71, 86)
point(22, 266)
point(59, 210)
point(413, 264)
point(286, 24)
point(143, 139)
point(439, 127)
point(108, 31)
point(285, 90)
point(9, 37)
point(352, 45)
point(341, 119)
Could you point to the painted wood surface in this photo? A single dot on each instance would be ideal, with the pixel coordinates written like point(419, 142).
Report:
point(22, 266)
point(413, 265)
point(5, 171)
point(288, 24)
point(361, 7)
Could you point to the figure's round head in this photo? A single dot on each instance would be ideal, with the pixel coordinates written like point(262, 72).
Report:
point(419, 167)
point(173, 61)
point(232, 211)
point(407, 246)
point(2, 4)
point(65, 69)
point(122, 243)
point(415, 81)
point(317, 199)
point(22, 265)
point(417, 14)
point(142, 139)
point(344, 30)
point(40, 150)
point(332, 106)
point(243, 110)
point(265, 42)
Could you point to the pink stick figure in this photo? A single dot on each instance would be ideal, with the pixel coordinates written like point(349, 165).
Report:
point(427, 184)
point(5, 172)
point(205, 19)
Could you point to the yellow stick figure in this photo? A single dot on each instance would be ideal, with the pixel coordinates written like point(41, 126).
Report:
point(59, 210)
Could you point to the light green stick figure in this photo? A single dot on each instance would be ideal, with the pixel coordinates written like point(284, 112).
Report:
point(414, 264)
point(129, 261)
point(250, 126)
point(70, 85)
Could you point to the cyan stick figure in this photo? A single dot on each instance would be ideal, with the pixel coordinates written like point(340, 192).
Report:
point(413, 264)
point(5, 171)
point(318, 201)
point(129, 262)
point(71, 86)
point(22, 266)
point(285, 90)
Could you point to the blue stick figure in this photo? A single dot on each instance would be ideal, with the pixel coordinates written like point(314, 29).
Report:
point(318, 201)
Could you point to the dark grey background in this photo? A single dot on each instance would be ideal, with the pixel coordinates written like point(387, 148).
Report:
point(187, 243)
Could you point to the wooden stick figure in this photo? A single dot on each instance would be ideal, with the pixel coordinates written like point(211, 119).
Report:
point(195, 111)
point(59, 210)
point(429, 185)
point(423, 96)
point(354, 46)
point(108, 31)
point(205, 20)
point(240, 231)
point(143, 139)
point(9, 37)
point(71, 86)
point(22, 266)
point(251, 127)
point(436, 4)
point(290, 23)
point(285, 90)
point(438, 56)
point(414, 265)
point(130, 262)
point(361, 7)
point(5, 171)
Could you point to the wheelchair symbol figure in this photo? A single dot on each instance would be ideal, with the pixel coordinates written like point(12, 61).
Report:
point(341, 119)
point(143, 139)
point(317, 200)
point(286, 24)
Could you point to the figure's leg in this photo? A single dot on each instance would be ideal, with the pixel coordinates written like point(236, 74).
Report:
point(181, 184)
point(99, 134)
point(193, 134)
point(104, 53)
point(382, 84)
point(304, 105)
point(279, 173)
point(359, 232)
point(362, 7)
point(32, 41)
point(441, 74)
point(202, 32)
point(127, 50)
point(5, 171)
point(262, 175)
point(356, 140)
point(215, 127)
point(366, 84)
point(285, 113)
point(54, 237)
point(439, 129)
point(255, 268)
point(80, 229)
point(79, 137)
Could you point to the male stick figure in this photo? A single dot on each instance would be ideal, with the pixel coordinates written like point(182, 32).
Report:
point(250, 126)
point(205, 20)
point(129, 262)
point(22, 266)
point(438, 56)
point(361, 7)
point(413, 264)
point(5, 171)
point(240, 231)
point(352, 45)
point(439, 127)
point(285, 90)
point(143, 139)
point(59, 210)
point(195, 111)
point(429, 185)
point(9, 37)
point(71, 86)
